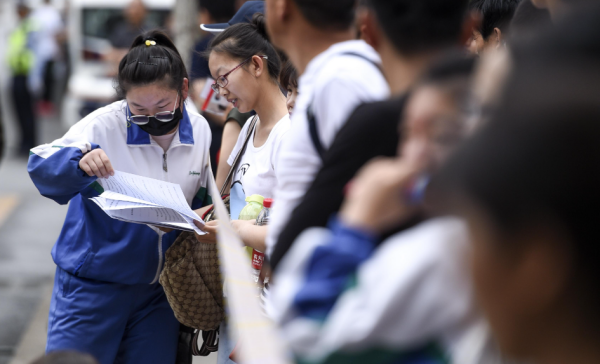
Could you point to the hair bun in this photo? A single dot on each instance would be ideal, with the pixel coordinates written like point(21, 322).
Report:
point(258, 22)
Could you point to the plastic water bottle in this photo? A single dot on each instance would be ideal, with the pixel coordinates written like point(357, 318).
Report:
point(263, 216)
point(258, 257)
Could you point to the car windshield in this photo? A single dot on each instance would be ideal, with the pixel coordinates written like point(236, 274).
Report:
point(102, 27)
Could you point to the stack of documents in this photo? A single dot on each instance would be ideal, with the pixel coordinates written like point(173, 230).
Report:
point(131, 198)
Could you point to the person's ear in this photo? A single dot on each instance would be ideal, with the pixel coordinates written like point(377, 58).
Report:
point(282, 9)
point(369, 28)
point(258, 66)
point(497, 34)
point(185, 89)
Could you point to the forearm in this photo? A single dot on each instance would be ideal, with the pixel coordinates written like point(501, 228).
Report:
point(254, 236)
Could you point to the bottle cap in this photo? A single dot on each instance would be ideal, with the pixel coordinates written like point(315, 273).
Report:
point(255, 198)
point(268, 202)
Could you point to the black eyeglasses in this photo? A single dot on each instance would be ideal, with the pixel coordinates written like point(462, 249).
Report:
point(164, 116)
point(222, 81)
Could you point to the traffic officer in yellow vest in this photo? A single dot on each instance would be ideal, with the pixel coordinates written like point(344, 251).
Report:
point(20, 60)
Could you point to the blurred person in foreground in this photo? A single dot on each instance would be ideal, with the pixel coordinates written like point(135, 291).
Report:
point(527, 185)
point(495, 20)
point(66, 357)
point(407, 298)
point(21, 59)
point(409, 36)
point(336, 74)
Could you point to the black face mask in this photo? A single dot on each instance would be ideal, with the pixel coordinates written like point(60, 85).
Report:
point(158, 128)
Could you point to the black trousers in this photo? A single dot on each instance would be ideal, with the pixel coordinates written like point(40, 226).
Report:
point(23, 104)
point(48, 81)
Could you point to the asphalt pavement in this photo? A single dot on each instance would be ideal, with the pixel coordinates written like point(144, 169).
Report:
point(29, 225)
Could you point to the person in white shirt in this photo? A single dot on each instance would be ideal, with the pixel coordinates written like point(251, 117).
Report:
point(337, 73)
point(246, 68)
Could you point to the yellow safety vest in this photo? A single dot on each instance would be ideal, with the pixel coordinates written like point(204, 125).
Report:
point(20, 56)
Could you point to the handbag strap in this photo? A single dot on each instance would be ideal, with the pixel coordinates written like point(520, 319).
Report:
point(239, 155)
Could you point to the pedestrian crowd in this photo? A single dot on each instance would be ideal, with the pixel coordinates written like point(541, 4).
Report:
point(425, 171)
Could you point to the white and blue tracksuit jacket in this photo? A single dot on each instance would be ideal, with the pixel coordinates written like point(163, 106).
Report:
point(91, 244)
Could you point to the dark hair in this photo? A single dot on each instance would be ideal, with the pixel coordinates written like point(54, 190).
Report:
point(66, 357)
point(450, 65)
point(244, 40)
point(328, 14)
point(415, 26)
point(496, 14)
point(220, 10)
point(527, 18)
point(537, 161)
point(289, 76)
point(147, 64)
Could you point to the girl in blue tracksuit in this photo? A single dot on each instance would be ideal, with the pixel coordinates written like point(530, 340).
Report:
point(106, 299)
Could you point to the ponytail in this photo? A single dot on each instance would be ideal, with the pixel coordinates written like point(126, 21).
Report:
point(152, 58)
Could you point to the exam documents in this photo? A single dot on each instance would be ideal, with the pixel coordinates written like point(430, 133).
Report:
point(142, 200)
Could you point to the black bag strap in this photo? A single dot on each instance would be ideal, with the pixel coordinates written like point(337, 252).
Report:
point(239, 155)
point(313, 130)
point(210, 342)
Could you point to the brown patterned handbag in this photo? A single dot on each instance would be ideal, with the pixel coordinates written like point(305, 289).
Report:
point(191, 277)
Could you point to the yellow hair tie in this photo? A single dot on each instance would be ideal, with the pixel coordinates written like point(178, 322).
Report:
point(150, 42)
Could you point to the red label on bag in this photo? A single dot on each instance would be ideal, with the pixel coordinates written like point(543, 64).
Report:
point(257, 259)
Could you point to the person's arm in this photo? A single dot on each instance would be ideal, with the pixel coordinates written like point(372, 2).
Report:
point(346, 293)
point(252, 235)
point(63, 168)
point(231, 132)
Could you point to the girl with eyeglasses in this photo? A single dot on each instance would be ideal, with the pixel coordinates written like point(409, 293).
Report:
point(106, 299)
point(246, 70)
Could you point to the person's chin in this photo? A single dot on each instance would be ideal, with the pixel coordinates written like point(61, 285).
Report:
point(242, 108)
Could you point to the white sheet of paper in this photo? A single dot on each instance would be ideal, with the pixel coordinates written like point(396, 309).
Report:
point(157, 192)
point(109, 204)
point(257, 336)
point(110, 195)
point(138, 199)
